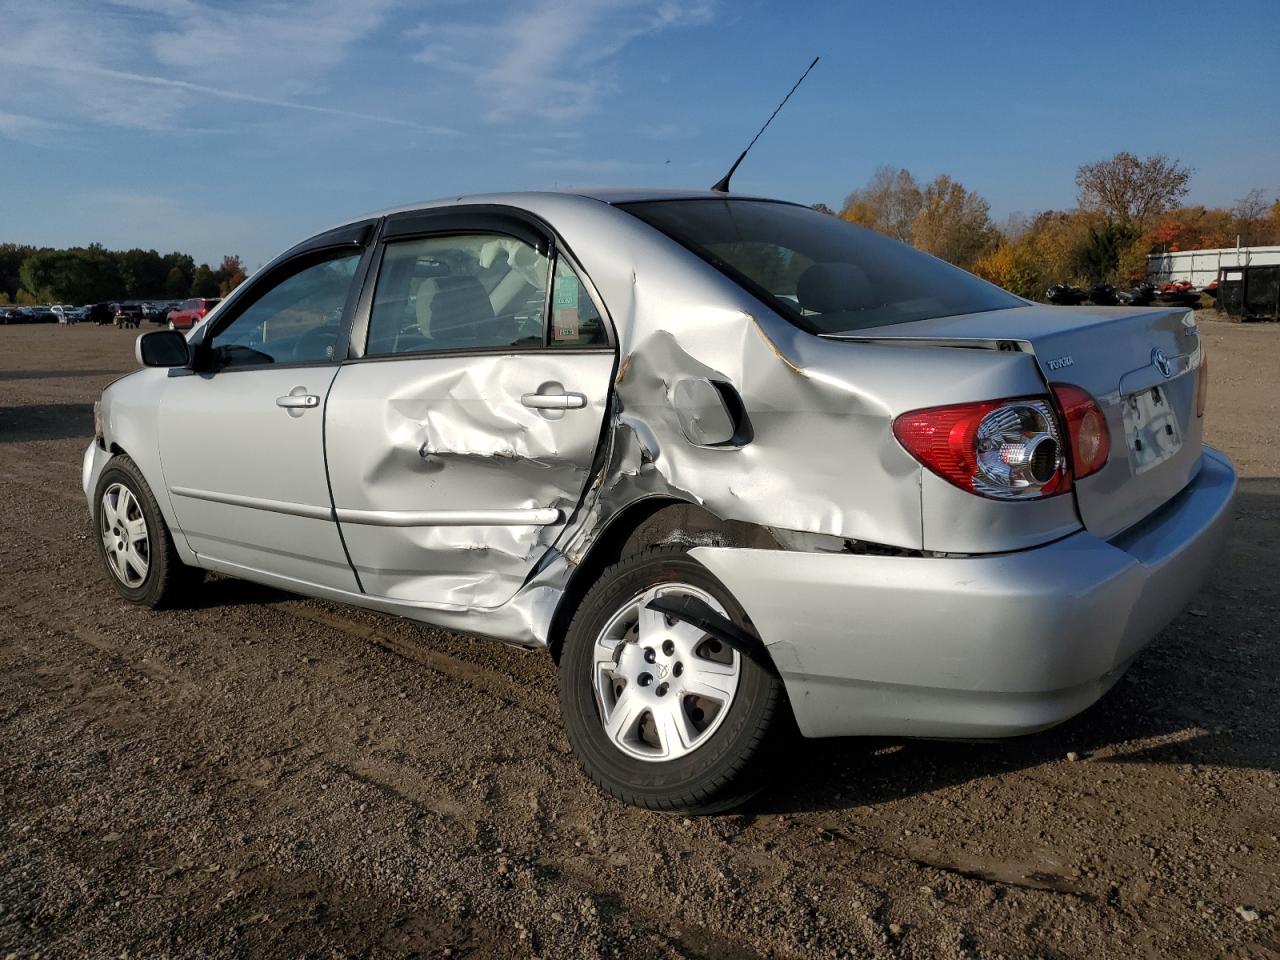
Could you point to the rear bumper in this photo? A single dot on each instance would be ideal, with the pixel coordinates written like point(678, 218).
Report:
point(975, 647)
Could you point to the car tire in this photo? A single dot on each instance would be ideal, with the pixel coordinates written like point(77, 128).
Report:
point(719, 752)
point(141, 560)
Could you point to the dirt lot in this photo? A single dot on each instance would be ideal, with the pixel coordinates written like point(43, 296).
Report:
point(273, 776)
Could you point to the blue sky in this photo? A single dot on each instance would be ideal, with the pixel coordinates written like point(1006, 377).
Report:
point(230, 127)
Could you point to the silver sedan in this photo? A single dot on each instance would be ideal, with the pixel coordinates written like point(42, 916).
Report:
point(726, 459)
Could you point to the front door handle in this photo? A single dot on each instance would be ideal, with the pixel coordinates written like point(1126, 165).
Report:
point(297, 401)
point(554, 401)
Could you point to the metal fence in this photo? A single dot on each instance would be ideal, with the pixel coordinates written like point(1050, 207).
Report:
point(1202, 266)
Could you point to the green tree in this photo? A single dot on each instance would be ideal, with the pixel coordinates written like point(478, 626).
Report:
point(143, 273)
point(179, 275)
point(11, 257)
point(1101, 254)
point(204, 283)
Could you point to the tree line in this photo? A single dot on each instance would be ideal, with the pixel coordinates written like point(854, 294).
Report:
point(1127, 207)
point(92, 274)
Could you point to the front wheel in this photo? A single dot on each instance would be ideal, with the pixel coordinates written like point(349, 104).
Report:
point(663, 713)
point(134, 542)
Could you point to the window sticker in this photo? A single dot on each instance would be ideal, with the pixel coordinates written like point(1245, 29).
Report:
point(564, 308)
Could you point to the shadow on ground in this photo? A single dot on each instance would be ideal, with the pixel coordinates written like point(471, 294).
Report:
point(45, 421)
point(10, 375)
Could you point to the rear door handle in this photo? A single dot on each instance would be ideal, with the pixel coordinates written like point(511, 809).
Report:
point(554, 401)
point(295, 400)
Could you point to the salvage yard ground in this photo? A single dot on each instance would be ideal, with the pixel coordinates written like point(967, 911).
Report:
point(274, 776)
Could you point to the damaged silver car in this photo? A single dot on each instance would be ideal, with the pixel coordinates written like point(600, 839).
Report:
point(733, 462)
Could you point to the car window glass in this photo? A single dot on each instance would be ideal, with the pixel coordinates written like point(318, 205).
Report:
point(575, 321)
point(464, 291)
point(297, 320)
point(824, 274)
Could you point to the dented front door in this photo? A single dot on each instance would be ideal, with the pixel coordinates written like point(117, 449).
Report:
point(452, 475)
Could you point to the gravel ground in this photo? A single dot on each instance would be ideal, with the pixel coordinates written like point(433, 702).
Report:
point(272, 776)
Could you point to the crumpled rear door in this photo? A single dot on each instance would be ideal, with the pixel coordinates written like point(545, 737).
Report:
point(452, 475)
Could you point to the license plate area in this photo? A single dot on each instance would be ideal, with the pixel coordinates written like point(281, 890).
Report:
point(1151, 428)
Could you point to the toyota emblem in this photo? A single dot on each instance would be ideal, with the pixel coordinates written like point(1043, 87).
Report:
point(1163, 363)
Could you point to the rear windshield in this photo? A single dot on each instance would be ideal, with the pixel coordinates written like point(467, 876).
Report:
point(821, 272)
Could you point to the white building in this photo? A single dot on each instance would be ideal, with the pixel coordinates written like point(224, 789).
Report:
point(1202, 266)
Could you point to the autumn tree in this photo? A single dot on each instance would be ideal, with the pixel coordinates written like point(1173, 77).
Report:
point(230, 275)
point(888, 204)
point(1131, 190)
point(953, 223)
point(1250, 215)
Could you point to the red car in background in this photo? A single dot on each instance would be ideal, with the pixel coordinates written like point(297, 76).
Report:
point(190, 312)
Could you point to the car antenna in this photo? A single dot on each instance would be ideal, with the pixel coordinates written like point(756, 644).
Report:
point(722, 186)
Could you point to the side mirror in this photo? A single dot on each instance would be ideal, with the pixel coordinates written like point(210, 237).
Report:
point(162, 348)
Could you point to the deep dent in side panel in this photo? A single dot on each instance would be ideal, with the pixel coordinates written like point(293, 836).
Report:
point(821, 458)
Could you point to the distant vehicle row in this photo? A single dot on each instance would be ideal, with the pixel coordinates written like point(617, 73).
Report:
point(178, 314)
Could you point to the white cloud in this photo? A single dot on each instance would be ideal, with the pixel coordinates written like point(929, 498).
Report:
point(18, 126)
point(546, 59)
point(146, 64)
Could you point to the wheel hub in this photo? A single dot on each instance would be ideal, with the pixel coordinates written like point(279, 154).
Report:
point(125, 540)
point(662, 685)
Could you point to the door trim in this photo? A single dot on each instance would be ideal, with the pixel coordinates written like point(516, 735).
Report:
point(255, 503)
point(534, 517)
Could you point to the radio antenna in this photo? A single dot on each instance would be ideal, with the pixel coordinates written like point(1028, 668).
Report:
point(722, 186)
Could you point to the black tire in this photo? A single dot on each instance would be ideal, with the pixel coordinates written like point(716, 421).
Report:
point(719, 773)
point(168, 581)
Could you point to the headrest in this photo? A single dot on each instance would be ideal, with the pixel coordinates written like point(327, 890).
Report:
point(833, 287)
point(448, 306)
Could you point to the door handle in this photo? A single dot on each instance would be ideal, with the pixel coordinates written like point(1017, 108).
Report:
point(295, 400)
point(554, 401)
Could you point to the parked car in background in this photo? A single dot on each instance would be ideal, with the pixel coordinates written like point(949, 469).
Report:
point(155, 312)
point(191, 312)
point(868, 488)
point(65, 313)
point(9, 315)
point(128, 315)
point(43, 314)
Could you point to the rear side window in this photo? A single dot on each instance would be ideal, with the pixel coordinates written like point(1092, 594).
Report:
point(458, 292)
point(822, 273)
point(575, 321)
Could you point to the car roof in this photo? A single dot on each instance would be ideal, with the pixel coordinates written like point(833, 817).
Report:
point(530, 198)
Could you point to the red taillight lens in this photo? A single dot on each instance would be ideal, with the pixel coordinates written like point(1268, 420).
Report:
point(1086, 427)
point(1002, 449)
point(1202, 383)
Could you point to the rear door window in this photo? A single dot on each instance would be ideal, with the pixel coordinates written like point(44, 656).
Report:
point(464, 291)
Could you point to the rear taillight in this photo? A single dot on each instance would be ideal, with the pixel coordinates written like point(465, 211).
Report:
point(1002, 449)
point(1086, 428)
point(1202, 383)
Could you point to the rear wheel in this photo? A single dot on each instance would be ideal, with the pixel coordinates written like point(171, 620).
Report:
point(662, 713)
point(134, 543)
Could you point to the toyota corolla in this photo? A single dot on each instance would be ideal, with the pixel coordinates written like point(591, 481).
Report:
point(733, 462)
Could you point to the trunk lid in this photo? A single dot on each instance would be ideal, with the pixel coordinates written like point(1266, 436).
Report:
point(1140, 364)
